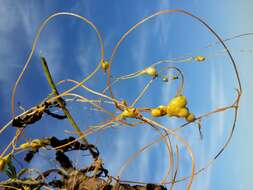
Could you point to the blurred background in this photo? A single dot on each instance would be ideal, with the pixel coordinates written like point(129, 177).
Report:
point(72, 51)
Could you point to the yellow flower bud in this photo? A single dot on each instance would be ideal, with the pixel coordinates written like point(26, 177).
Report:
point(157, 112)
point(105, 65)
point(25, 145)
point(177, 108)
point(129, 112)
point(36, 143)
point(163, 108)
point(190, 117)
point(200, 58)
point(178, 101)
point(151, 71)
point(169, 111)
point(172, 110)
point(183, 112)
point(2, 163)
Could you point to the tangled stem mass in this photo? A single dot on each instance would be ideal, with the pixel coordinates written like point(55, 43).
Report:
point(122, 113)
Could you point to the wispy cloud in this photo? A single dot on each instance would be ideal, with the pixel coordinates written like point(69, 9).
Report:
point(216, 125)
point(14, 22)
point(217, 93)
point(8, 23)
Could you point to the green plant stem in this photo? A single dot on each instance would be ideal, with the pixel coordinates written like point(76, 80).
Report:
point(60, 100)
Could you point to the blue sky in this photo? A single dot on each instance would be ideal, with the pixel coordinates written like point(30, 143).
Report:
point(72, 51)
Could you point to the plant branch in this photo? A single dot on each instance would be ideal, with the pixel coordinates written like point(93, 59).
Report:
point(60, 100)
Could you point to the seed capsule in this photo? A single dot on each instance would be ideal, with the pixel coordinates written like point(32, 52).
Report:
point(190, 117)
point(200, 58)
